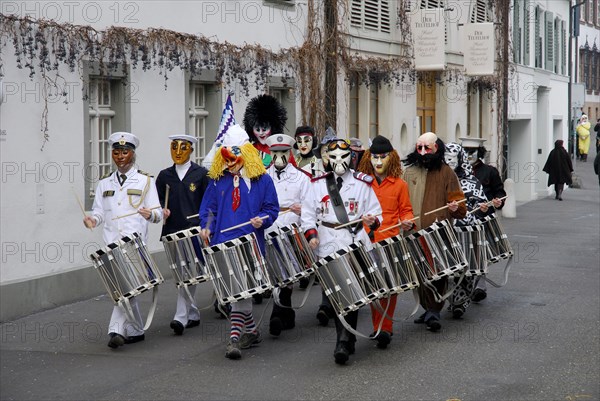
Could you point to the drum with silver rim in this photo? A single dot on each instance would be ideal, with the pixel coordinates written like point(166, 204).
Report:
point(394, 258)
point(184, 253)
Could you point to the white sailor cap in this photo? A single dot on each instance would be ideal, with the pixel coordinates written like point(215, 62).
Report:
point(280, 142)
point(123, 140)
point(468, 142)
point(183, 137)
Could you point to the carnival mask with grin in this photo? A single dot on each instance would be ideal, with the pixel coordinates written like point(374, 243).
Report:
point(305, 143)
point(233, 158)
point(262, 132)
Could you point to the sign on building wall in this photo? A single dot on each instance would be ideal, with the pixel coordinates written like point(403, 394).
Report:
point(429, 39)
point(479, 48)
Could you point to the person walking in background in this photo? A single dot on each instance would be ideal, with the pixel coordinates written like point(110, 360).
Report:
point(597, 131)
point(583, 133)
point(596, 167)
point(559, 168)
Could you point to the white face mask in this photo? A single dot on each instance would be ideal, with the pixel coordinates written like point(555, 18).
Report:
point(280, 158)
point(339, 160)
point(262, 132)
point(304, 143)
point(451, 160)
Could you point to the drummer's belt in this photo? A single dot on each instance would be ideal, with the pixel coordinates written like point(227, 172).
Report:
point(357, 226)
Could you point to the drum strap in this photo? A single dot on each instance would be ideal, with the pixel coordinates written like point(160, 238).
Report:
point(337, 202)
point(506, 270)
point(311, 281)
point(126, 305)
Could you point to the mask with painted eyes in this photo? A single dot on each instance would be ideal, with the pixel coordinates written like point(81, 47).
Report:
point(380, 163)
point(123, 158)
point(304, 143)
point(181, 151)
point(233, 158)
point(280, 158)
point(262, 132)
point(451, 159)
point(339, 158)
point(426, 148)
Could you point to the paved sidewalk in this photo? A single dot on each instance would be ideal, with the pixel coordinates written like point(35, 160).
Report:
point(537, 338)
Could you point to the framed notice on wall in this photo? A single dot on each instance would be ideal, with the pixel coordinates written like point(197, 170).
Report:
point(428, 28)
point(479, 48)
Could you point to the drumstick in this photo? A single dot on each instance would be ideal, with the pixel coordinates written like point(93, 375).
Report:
point(196, 215)
point(399, 224)
point(242, 225)
point(489, 203)
point(352, 222)
point(166, 201)
point(443, 207)
point(132, 213)
point(80, 206)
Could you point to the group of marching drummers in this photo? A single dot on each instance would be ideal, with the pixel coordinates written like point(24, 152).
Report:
point(268, 211)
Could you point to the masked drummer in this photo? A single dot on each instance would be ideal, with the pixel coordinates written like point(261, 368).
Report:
point(382, 163)
point(431, 185)
point(306, 158)
point(187, 182)
point(239, 191)
point(127, 190)
point(456, 158)
point(291, 184)
point(338, 195)
point(493, 187)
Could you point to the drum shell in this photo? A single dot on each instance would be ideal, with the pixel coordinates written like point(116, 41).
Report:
point(497, 242)
point(395, 260)
point(350, 278)
point(126, 268)
point(474, 245)
point(184, 254)
point(237, 269)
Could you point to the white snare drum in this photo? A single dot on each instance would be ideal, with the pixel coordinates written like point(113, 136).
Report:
point(126, 268)
point(350, 278)
point(472, 240)
point(498, 245)
point(288, 255)
point(436, 251)
point(397, 263)
point(237, 269)
point(184, 253)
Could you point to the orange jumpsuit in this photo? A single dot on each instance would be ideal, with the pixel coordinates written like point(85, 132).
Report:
point(393, 197)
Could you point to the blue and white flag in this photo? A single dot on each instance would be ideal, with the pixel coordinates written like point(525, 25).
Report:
point(227, 118)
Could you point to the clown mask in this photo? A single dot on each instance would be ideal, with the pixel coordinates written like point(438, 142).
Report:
point(339, 156)
point(181, 151)
point(233, 158)
point(380, 163)
point(280, 158)
point(305, 143)
point(262, 132)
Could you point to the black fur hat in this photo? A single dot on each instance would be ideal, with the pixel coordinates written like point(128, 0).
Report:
point(264, 109)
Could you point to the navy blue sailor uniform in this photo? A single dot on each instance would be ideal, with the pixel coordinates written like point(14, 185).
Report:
point(185, 197)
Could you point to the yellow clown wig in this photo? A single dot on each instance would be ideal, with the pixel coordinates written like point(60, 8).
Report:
point(253, 165)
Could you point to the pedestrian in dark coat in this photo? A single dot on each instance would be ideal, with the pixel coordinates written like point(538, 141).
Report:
point(559, 168)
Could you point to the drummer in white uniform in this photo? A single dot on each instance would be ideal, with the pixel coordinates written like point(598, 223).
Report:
point(291, 184)
point(320, 218)
point(127, 190)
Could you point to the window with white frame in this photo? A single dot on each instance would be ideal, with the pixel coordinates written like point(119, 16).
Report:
point(371, 14)
point(102, 111)
point(373, 110)
point(284, 92)
point(198, 114)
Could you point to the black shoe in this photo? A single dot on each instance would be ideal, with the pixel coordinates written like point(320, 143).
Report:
point(383, 339)
point(350, 347)
point(177, 327)
point(478, 295)
point(116, 340)
point(341, 354)
point(433, 324)
point(192, 323)
point(420, 319)
point(226, 310)
point(135, 339)
point(275, 326)
point(457, 312)
point(322, 317)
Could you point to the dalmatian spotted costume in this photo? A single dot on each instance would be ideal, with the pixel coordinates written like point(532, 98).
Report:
point(456, 158)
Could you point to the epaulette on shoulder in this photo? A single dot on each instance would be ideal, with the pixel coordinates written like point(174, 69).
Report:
point(145, 173)
point(321, 176)
point(363, 177)
point(106, 175)
point(304, 172)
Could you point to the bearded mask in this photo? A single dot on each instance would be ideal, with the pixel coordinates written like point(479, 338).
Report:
point(339, 155)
